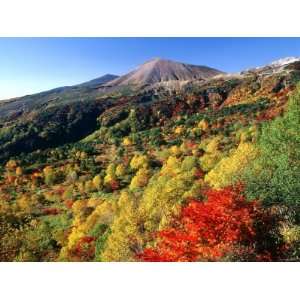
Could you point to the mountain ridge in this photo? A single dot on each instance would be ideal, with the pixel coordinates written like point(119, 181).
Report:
point(99, 80)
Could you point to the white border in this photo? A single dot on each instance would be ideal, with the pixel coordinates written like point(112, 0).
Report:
point(149, 18)
point(149, 281)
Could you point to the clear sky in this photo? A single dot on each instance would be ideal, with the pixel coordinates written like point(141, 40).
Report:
point(30, 65)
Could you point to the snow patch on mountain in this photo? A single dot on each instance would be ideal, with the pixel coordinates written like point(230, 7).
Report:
point(284, 61)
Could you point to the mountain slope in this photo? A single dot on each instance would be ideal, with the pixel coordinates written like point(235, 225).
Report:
point(137, 179)
point(98, 81)
point(57, 96)
point(68, 114)
point(159, 70)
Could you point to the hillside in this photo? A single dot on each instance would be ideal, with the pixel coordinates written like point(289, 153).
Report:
point(12, 108)
point(99, 81)
point(204, 171)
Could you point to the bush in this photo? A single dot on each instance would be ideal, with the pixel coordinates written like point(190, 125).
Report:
point(207, 231)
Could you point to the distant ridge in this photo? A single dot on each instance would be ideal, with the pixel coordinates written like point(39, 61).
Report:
point(98, 81)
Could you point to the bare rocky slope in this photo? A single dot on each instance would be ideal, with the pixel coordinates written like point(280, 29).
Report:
point(161, 70)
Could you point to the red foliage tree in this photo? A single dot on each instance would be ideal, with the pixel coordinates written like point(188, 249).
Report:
point(207, 230)
point(114, 185)
point(85, 248)
point(51, 211)
point(69, 203)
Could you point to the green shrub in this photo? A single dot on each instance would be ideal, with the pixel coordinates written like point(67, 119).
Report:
point(274, 176)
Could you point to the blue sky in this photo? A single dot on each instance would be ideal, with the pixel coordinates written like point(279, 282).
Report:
point(30, 65)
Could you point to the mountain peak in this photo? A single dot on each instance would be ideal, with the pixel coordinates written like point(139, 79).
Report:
point(157, 60)
point(154, 59)
point(161, 70)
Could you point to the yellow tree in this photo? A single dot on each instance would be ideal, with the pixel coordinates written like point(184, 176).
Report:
point(124, 241)
point(49, 175)
point(212, 153)
point(83, 224)
point(19, 171)
point(140, 179)
point(164, 192)
point(230, 168)
point(26, 204)
point(127, 141)
point(110, 173)
point(203, 125)
point(89, 186)
point(138, 161)
point(120, 170)
point(97, 182)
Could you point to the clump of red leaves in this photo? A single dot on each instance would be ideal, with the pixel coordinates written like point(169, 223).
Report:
point(199, 174)
point(85, 248)
point(51, 211)
point(207, 230)
point(114, 185)
point(69, 203)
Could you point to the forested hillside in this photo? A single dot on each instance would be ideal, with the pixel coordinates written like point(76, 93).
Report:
point(200, 169)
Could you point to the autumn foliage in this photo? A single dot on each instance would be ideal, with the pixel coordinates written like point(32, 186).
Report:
point(207, 230)
point(150, 185)
point(85, 248)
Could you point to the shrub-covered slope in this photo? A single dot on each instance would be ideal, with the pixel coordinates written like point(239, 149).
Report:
point(207, 172)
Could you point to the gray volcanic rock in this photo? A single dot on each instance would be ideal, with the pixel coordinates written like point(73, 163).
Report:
point(160, 70)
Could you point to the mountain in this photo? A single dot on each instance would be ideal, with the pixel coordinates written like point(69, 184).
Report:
point(98, 81)
point(57, 96)
point(69, 114)
point(285, 61)
point(161, 70)
point(277, 66)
